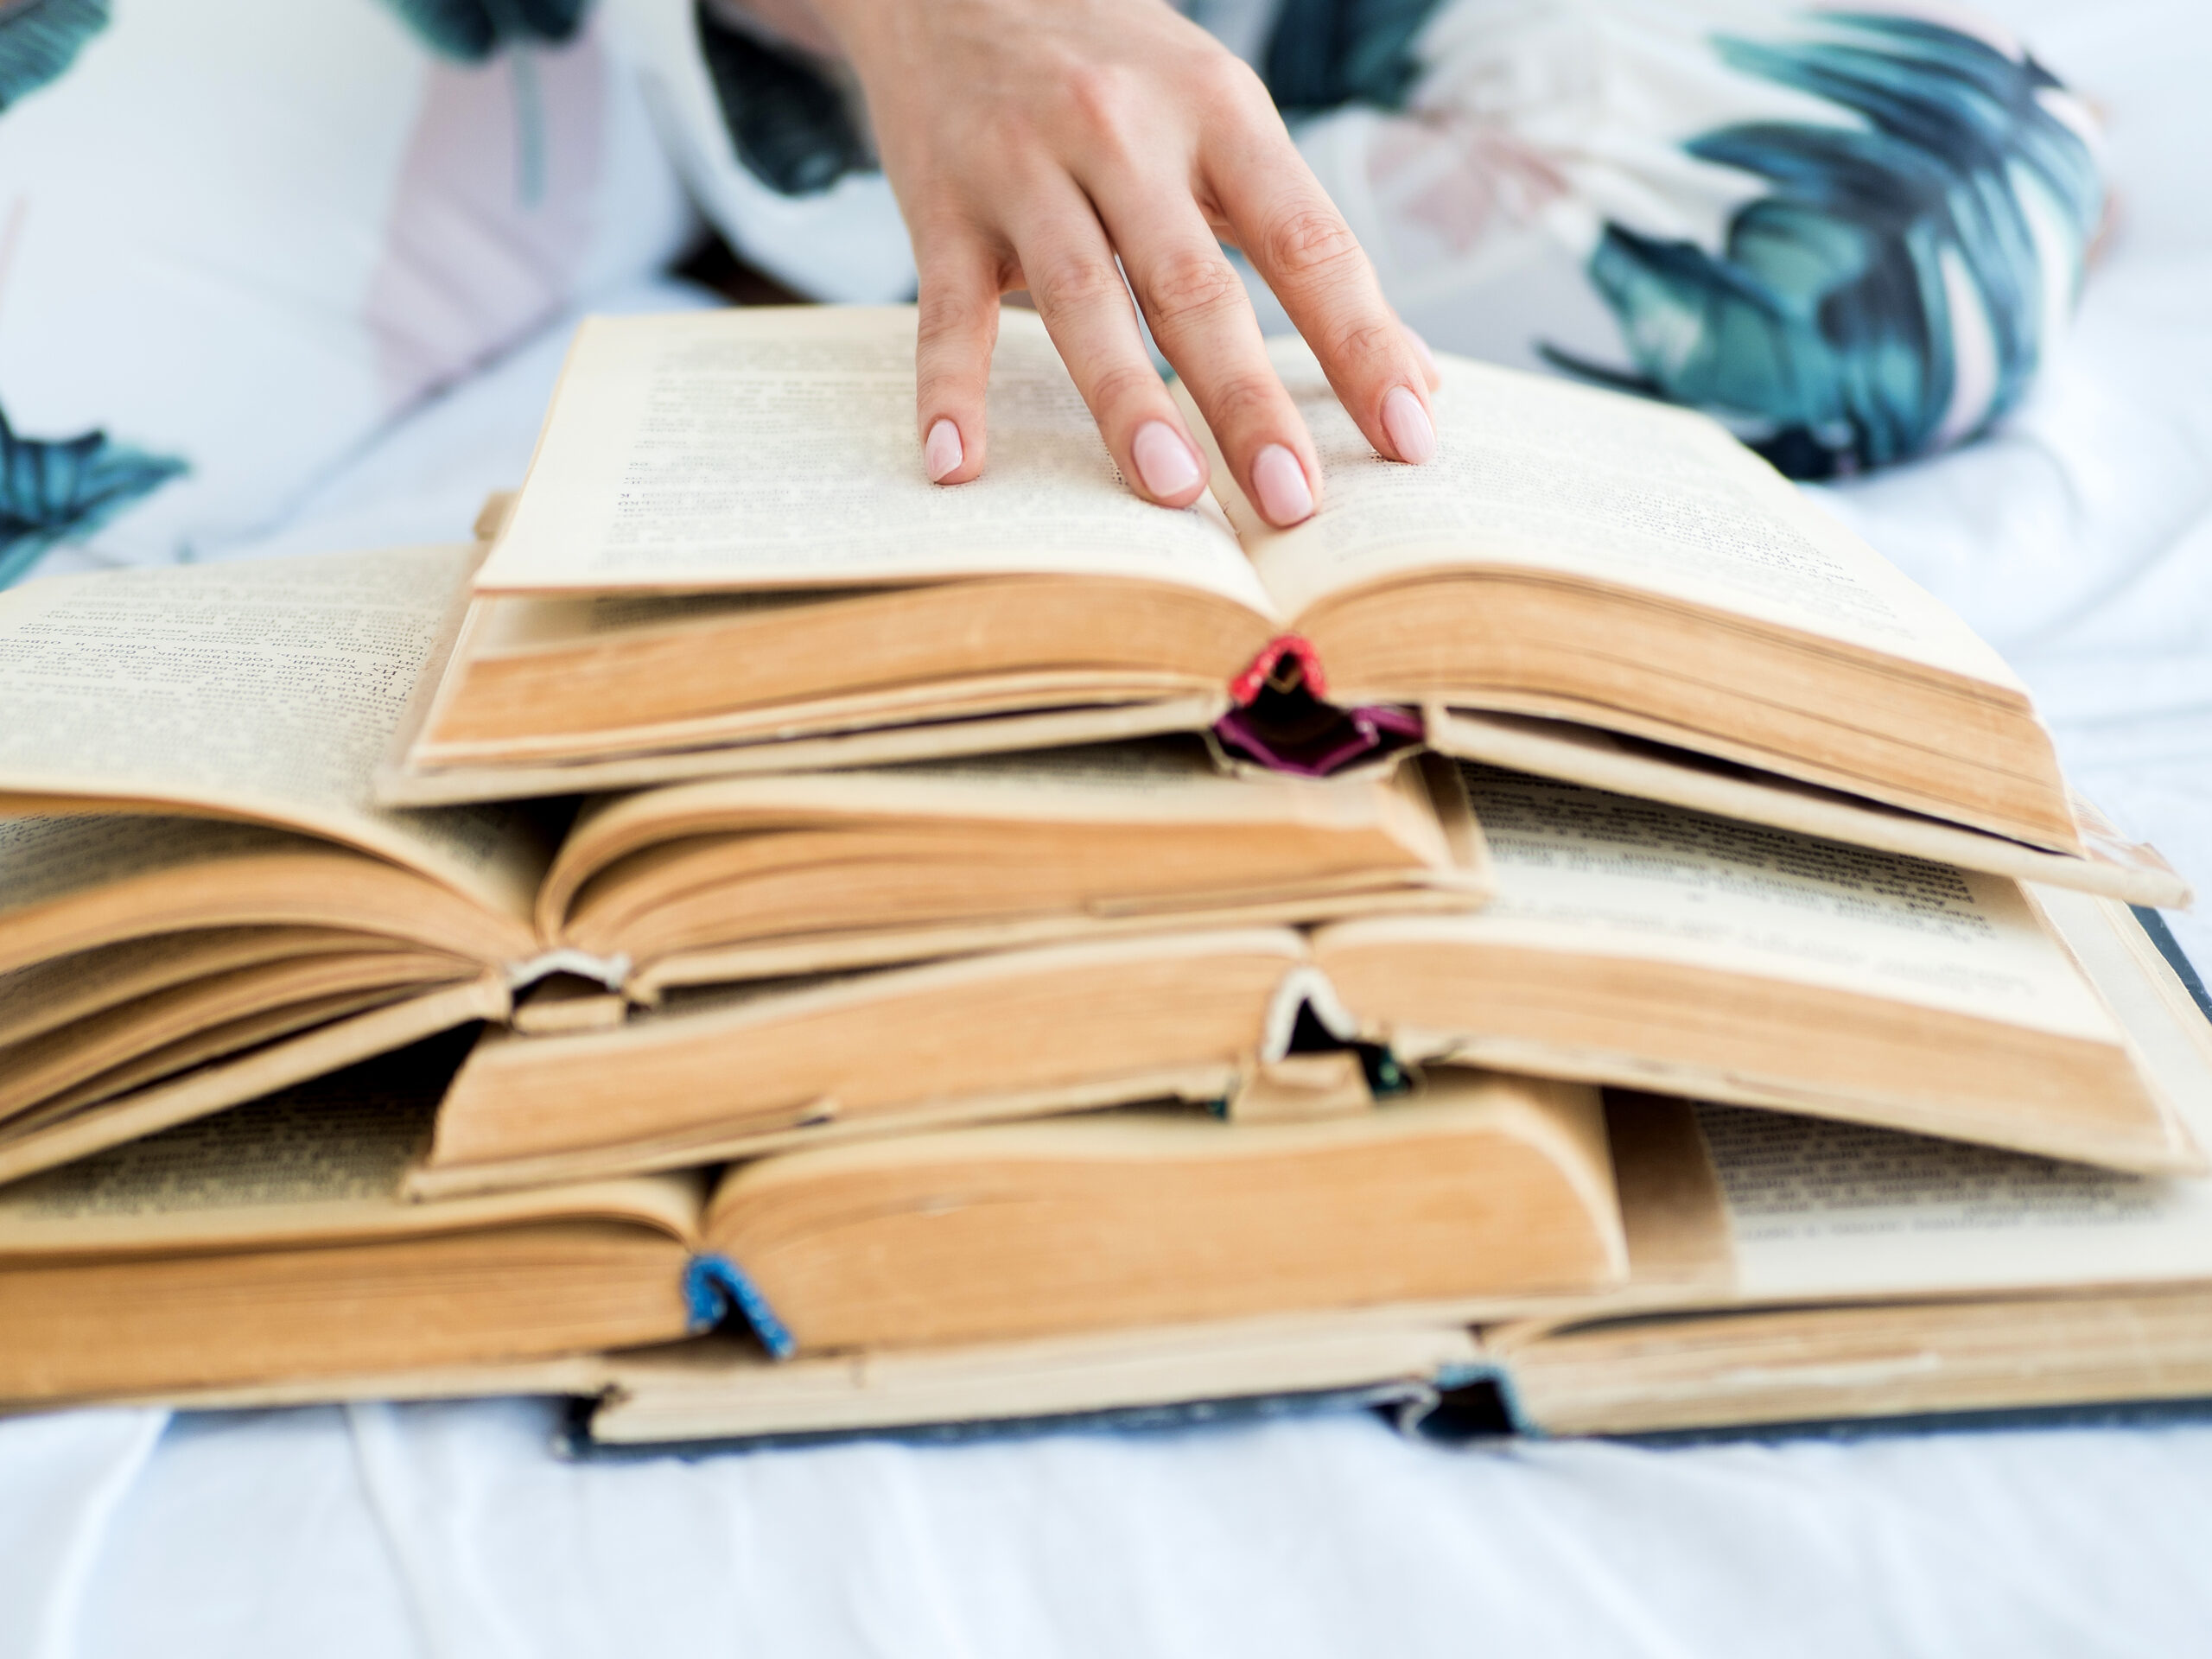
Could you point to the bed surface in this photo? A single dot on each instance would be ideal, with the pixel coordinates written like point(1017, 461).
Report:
point(2079, 541)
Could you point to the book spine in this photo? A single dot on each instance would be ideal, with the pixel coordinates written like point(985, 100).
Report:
point(715, 1287)
point(1409, 1404)
point(1287, 662)
point(1280, 717)
point(2177, 958)
point(1467, 1405)
point(610, 971)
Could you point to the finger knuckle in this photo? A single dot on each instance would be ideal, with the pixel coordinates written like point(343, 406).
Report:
point(1076, 281)
point(1190, 286)
point(1225, 81)
point(1104, 102)
point(1312, 242)
point(950, 308)
point(1242, 402)
point(1368, 340)
point(1116, 387)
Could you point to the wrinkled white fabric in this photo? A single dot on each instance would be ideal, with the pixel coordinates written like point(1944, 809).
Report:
point(64, 1479)
point(447, 1531)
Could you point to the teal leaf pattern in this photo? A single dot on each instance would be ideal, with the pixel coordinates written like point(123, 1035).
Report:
point(475, 31)
point(788, 123)
point(56, 490)
point(1825, 324)
point(40, 38)
point(1324, 54)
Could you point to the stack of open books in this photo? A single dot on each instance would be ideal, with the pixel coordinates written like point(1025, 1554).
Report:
point(772, 947)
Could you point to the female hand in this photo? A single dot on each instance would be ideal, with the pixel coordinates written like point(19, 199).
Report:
point(1032, 142)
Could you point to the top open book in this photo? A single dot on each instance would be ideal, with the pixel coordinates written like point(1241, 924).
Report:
point(726, 557)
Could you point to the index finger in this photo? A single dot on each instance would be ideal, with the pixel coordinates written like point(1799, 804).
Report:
point(1303, 250)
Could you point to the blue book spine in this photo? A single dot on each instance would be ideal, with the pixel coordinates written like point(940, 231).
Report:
point(715, 1287)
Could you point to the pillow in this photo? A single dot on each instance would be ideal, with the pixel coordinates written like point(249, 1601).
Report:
point(1852, 233)
point(239, 238)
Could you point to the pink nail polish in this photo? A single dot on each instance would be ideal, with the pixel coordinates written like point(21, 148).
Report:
point(1164, 460)
point(1407, 424)
point(1280, 482)
point(942, 454)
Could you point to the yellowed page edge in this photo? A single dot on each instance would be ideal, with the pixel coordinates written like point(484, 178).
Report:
point(328, 1049)
point(1585, 755)
point(1194, 1085)
point(888, 746)
point(724, 1390)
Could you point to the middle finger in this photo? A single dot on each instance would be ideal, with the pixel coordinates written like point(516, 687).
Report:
point(1203, 321)
point(1069, 269)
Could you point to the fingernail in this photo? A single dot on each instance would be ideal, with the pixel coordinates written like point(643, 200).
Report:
point(1406, 423)
point(1164, 460)
point(941, 452)
point(1280, 482)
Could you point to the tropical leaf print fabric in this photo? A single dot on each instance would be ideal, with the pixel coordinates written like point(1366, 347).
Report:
point(1889, 291)
point(472, 31)
point(790, 123)
point(55, 489)
point(52, 490)
point(239, 238)
point(1852, 233)
point(39, 39)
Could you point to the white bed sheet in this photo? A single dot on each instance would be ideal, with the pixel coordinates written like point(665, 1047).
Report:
point(2080, 540)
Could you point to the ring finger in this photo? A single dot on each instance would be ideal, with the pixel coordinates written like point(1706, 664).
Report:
point(1079, 291)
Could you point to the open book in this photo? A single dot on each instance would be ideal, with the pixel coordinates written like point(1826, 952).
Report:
point(200, 901)
point(268, 1243)
point(725, 556)
point(264, 1247)
point(1627, 943)
point(1781, 1270)
point(1816, 1271)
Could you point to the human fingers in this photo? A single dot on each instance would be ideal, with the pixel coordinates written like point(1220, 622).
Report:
point(1430, 368)
point(1304, 250)
point(956, 326)
point(1080, 293)
point(1203, 321)
point(1432, 371)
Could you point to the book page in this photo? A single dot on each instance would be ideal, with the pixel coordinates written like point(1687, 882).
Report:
point(45, 856)
point(1581, 870)
point(775, 448)
point(320, 1162)
point(1165, 781)
point(1540, 474)
point(1819, 1209)
point(267, 689)
point(521, 623)
point(45, 995)
point(1611, 760)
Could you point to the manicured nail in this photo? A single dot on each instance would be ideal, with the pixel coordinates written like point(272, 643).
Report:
point(941, 452)
point(1280, 482)
point(1164, 460)
point(1406, 423)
